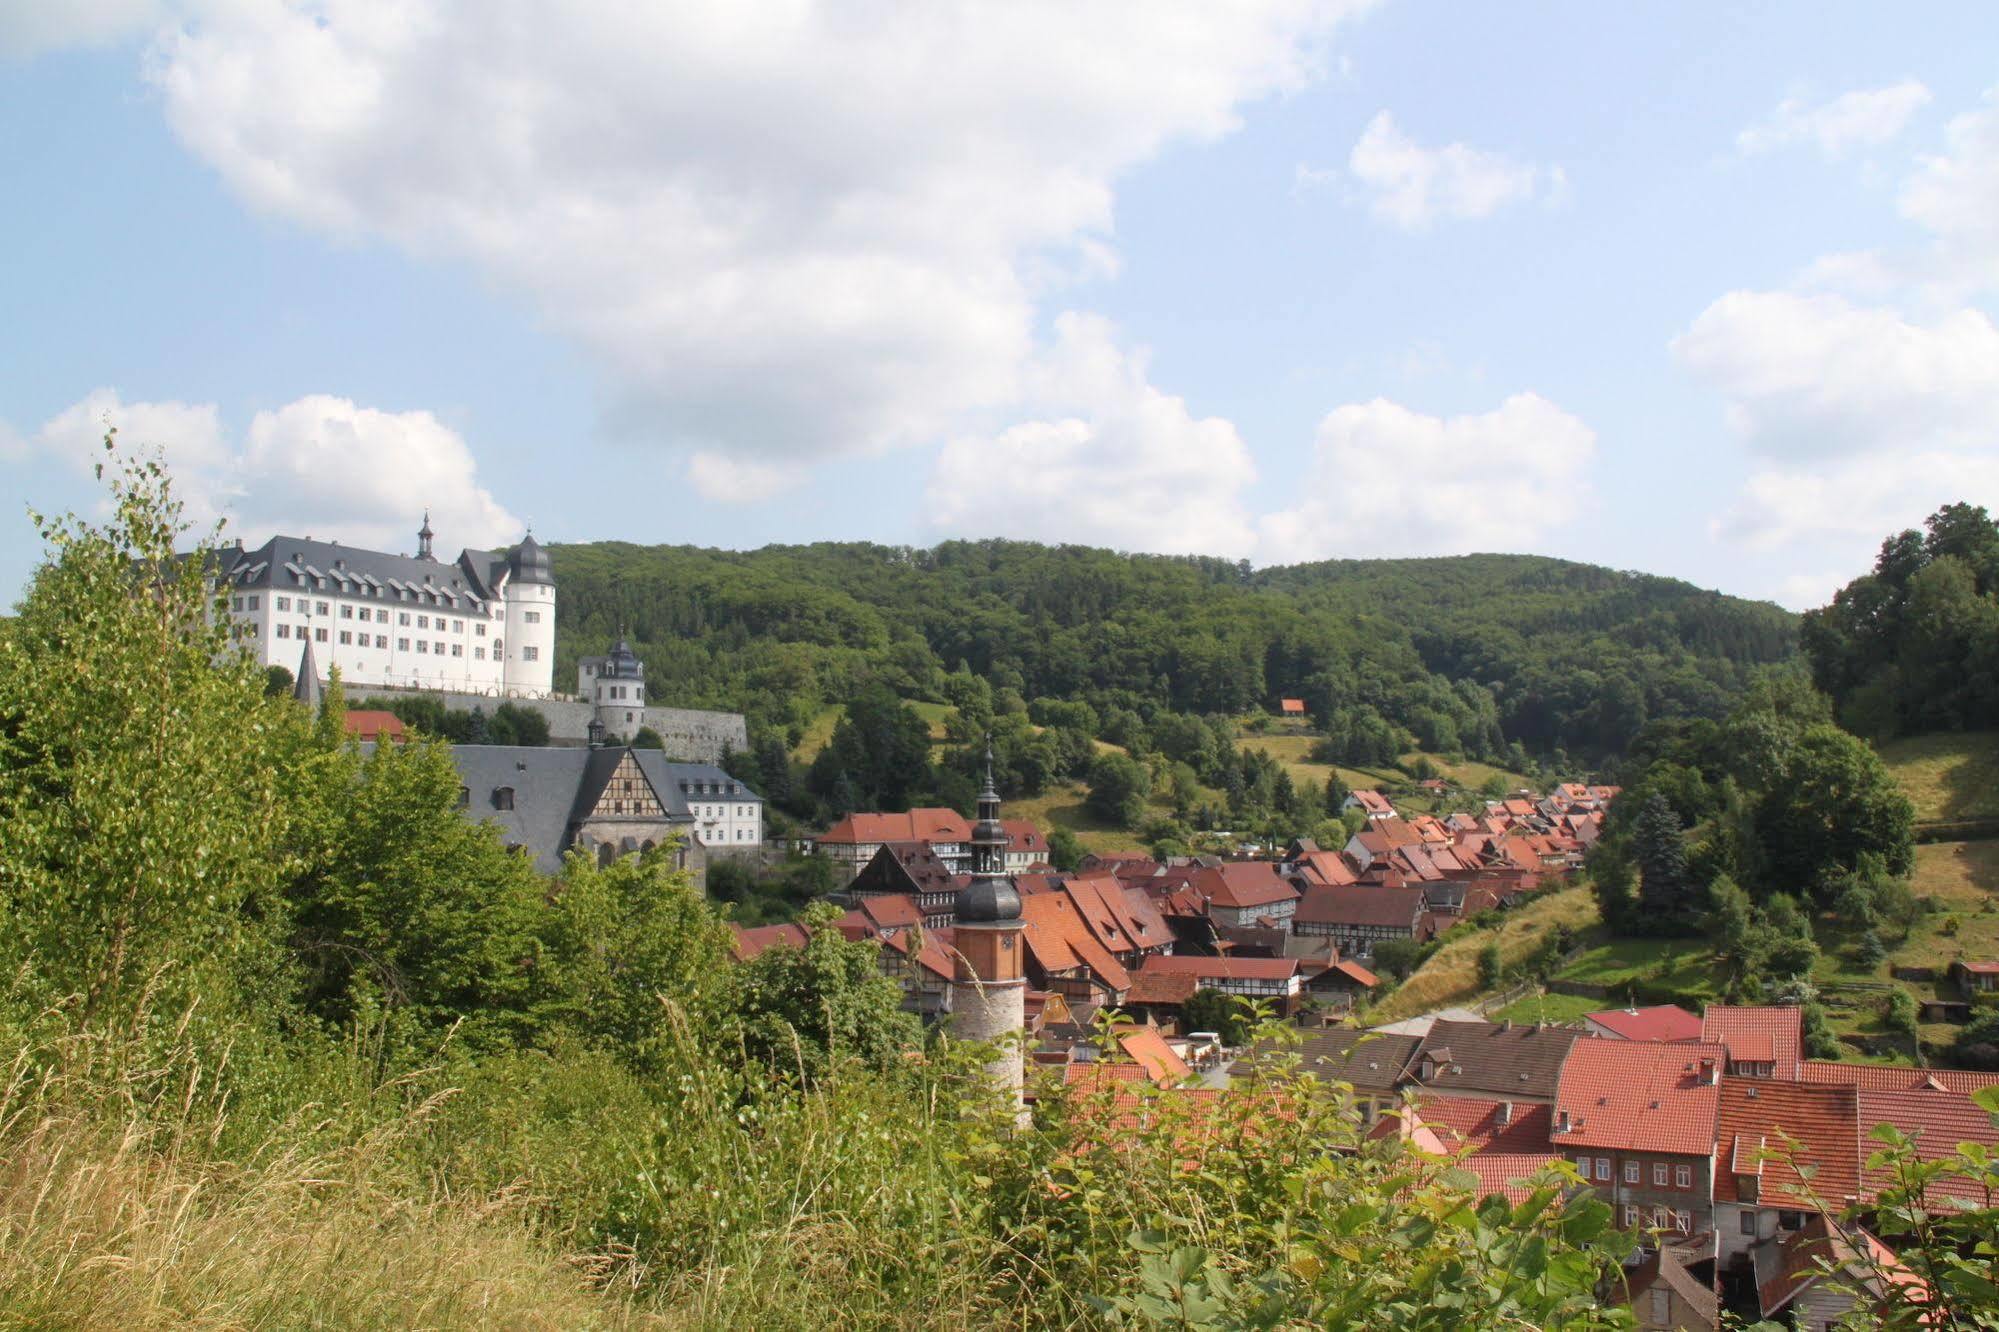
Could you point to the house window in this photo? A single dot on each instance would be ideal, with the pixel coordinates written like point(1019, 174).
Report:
point(346, 612)
point(464, 797)
point(423, 646)
point(1603, 1168)
point(236, 603)
point(255, 602)
point(530, 654)
point(440, 648)
point(1659, 1176)
point(1630, 1172)
point(319, 608)
point(403, 618)
point(1683, 1177)
point(347, 637)
point(402, 645)
point(319, 635)
point(457, 649)
point(1683, 1221)
point(480, 653)
point(1630, 1217)
point(381, 640)
point(284, 631)
point(423, 622)
point(1748, 1223)
point(284, 603)
point(479, 630)
point(503, 797)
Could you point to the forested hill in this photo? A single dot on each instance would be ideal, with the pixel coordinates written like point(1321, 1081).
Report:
point(1472, 654)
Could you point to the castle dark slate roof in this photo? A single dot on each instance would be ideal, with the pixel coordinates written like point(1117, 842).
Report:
point(530, 562)
point(537, 796)
point(300, 564)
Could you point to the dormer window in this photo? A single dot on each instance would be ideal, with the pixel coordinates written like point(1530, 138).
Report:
point(503, 797)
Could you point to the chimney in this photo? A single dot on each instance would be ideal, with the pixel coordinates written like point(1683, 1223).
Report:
point(1710, 1072)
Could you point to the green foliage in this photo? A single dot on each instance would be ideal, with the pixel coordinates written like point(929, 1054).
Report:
point(1667, 894)
point(508, 724)
point(798, 1011)
point(1831, 802)
point(1490, 965)
point(1065, 853)
point(647, 738)
point(1229, 1016)
point(878, 758)
point(1119, 785)
point(1397, 958)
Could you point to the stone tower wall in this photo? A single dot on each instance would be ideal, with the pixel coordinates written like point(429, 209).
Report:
point(690, 736)
point(993, 1011)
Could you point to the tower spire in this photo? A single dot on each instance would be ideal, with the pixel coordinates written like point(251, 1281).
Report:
point(423, 538)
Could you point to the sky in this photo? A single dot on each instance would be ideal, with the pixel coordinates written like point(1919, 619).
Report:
point(1699, 290)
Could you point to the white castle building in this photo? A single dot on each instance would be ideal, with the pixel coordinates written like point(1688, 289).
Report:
point(483, 624)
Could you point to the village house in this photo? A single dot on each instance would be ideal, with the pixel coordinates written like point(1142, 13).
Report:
point(853, 841)
point(1639, 1120)
point(1662, 1022)
point(1371, 1063)
point(1279, 980)
point(1507, 1141)
point(913, 870)
point(1026, 847)
point(1247, 892)
point(1356, 917)
point(1975, 977)
point(1793, 1281)
point(1519, 1062)
point(1762, 1042)
point(1371, 803)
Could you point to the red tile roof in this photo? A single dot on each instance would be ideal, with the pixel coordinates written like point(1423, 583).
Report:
point(1889, 1077)
point(1060, 941)
point(1292, 707)
point(1759, 1035)
point(1241, 885)
point(1023, 837)
point(1822, 1125)
point(375, 724)
point(752, 940)
point(1356, 973)
point(1152, 987)
point(1662, 1022)
point(1326, 867)
point(918, 825)
point(1801, 1259)
point(1937, 1120)
point(1220, 968)
point(1638, 1096)
point(1503, 1154)
point(1374, 802)
point(1145, 1047)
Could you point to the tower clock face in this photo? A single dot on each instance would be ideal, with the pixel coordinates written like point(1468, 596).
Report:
point(1007, 943)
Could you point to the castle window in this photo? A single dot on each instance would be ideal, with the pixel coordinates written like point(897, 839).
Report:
point(402, 645)
point(479, 630)
point(346, 612)
point(284, 603)
point(423, 622)
point(503, 797)
point(319, 608)
point(403, 618)
point(255, 602)
point(284, 631)
point(381, 640)
point(319, 635)
point(530, 654)
point(534, 617)
point(347, 637)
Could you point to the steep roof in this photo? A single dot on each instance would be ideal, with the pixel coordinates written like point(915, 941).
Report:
point(751, 940)
point(1358, 905)
point(1059, 940)
point(1789, 1265)
point(1661, 1022)
point(1145, 1047)
point(1638, 1096)
point(1822, 1125)
point(1023, 837)
point(1758, 1035)
point(1325, 867)
point(1221, 968)
point(1503, 1060)
point(903, 867)
point(1937, 1120)
point(285, 562)
point(1244, 884)
point(1365, 1060)
point(1508, 1143)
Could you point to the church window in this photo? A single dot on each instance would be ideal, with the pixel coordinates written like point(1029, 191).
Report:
point(346, 612)
point(284, 603)
point(381, 640)
point(530, 654)
point(402, 645)
point(319, 635)
point(284, 631)
point(319, 608)
point(347, 637)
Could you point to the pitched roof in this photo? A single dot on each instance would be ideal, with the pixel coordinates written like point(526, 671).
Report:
point(1767, 1129)
point(1661, 1022)
point(918, 825)
point(1160, 988)
point(1243, 884)
point(1292, 707)
point(1221, 968)
point(1508, 1061)
point(751, 940)
point(1356, 973)
point(910, 867)
point(1508, 1143)
point(1325, 867)
point(1638, 1096)
point(1787, 1267)
point(1889, 1077)
point(1365, 1060)
point(1145, 1047)
point(1667, 1265)
point(1359, 905)
point(1060, 940)
point(1374, 802)
point(374, 724)
point(1101, 903)
point(1937, 1120)
point(1758, 1035)
point(1023, 836)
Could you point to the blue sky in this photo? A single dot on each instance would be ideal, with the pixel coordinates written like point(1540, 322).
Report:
point(1684, 290)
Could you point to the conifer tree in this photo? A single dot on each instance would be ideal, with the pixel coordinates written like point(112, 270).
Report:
point(1666, 896)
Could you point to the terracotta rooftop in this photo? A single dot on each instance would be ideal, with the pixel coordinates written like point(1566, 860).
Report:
point(1822, 1125)
point(1221, 968)
point(1245, 884)
point(1787, 1267)
point(752, 940)
point(1639, 1096)
point(1937, 1120)
point(1762, 1035)
point(1662, 1022)
point(1889, 1077)
point(1161, 988)
point(1145, 1047)
point(918, 825)
point(1508, 1143)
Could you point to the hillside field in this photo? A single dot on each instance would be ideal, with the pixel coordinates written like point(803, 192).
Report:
point(1949, 775)
point(1451, 974)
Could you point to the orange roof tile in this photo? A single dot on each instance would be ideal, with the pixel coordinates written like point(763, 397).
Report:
point(1662, 1022)
point(1242, 885)
point(1822, 1125)
point(1638, 1096)
point(1149, 1050)
point(918, 825)
point(1767, 1034)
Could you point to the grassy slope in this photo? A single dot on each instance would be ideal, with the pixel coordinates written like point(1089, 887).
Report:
point(1451, 974)
point(1951, 776)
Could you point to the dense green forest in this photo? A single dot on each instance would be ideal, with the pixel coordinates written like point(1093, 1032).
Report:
point(1487, 656)
point(1913, 645)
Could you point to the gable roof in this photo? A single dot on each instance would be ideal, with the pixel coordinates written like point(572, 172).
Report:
point(1792, 1264)
point(1374, 802)
point(1145, 1047)
point(1059, 940)
point(751, 940)
point(1890, 1077)
point(1365, 1060)
point(1822, 1125)
point(1360, 905)
point(918, 825)
point(1508, 1143)
point(1325, 867)
point(1504, 1060)
point(1661, 1022)
point(1023, 837)
point(1221, 968)
point(1937, 1120)
point(1639, 1096)
point(903, 867)
point(1243, 884)
point(1758, 1035)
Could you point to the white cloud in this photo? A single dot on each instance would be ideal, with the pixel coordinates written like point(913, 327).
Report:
point(727, 480)
point(31, 27)
point(1816, 376)
point(1864, 118)
point(1414, 187)
point(1851, 503)
point(787, 229)
point(1955, 194)
point(1387, 481)
point(319, 466)
point(1115, 462)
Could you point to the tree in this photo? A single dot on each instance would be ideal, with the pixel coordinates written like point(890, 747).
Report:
point(1977, 1045)
point(1490, 965)
point(1065, 853)
point(881, 747)
point(647, 738)
point(801, 1010)
point(1667, 894)
point(1615, 883)
point(1832, 801)
point(1119, 785)
point(1227, 1015)
point(1398, 957)
point(278, 681)
point(515, 724)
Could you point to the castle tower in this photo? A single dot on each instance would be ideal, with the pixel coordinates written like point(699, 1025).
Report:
point(530, 618)
point(618, 690)
point(989, 989)
point(424, 536)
